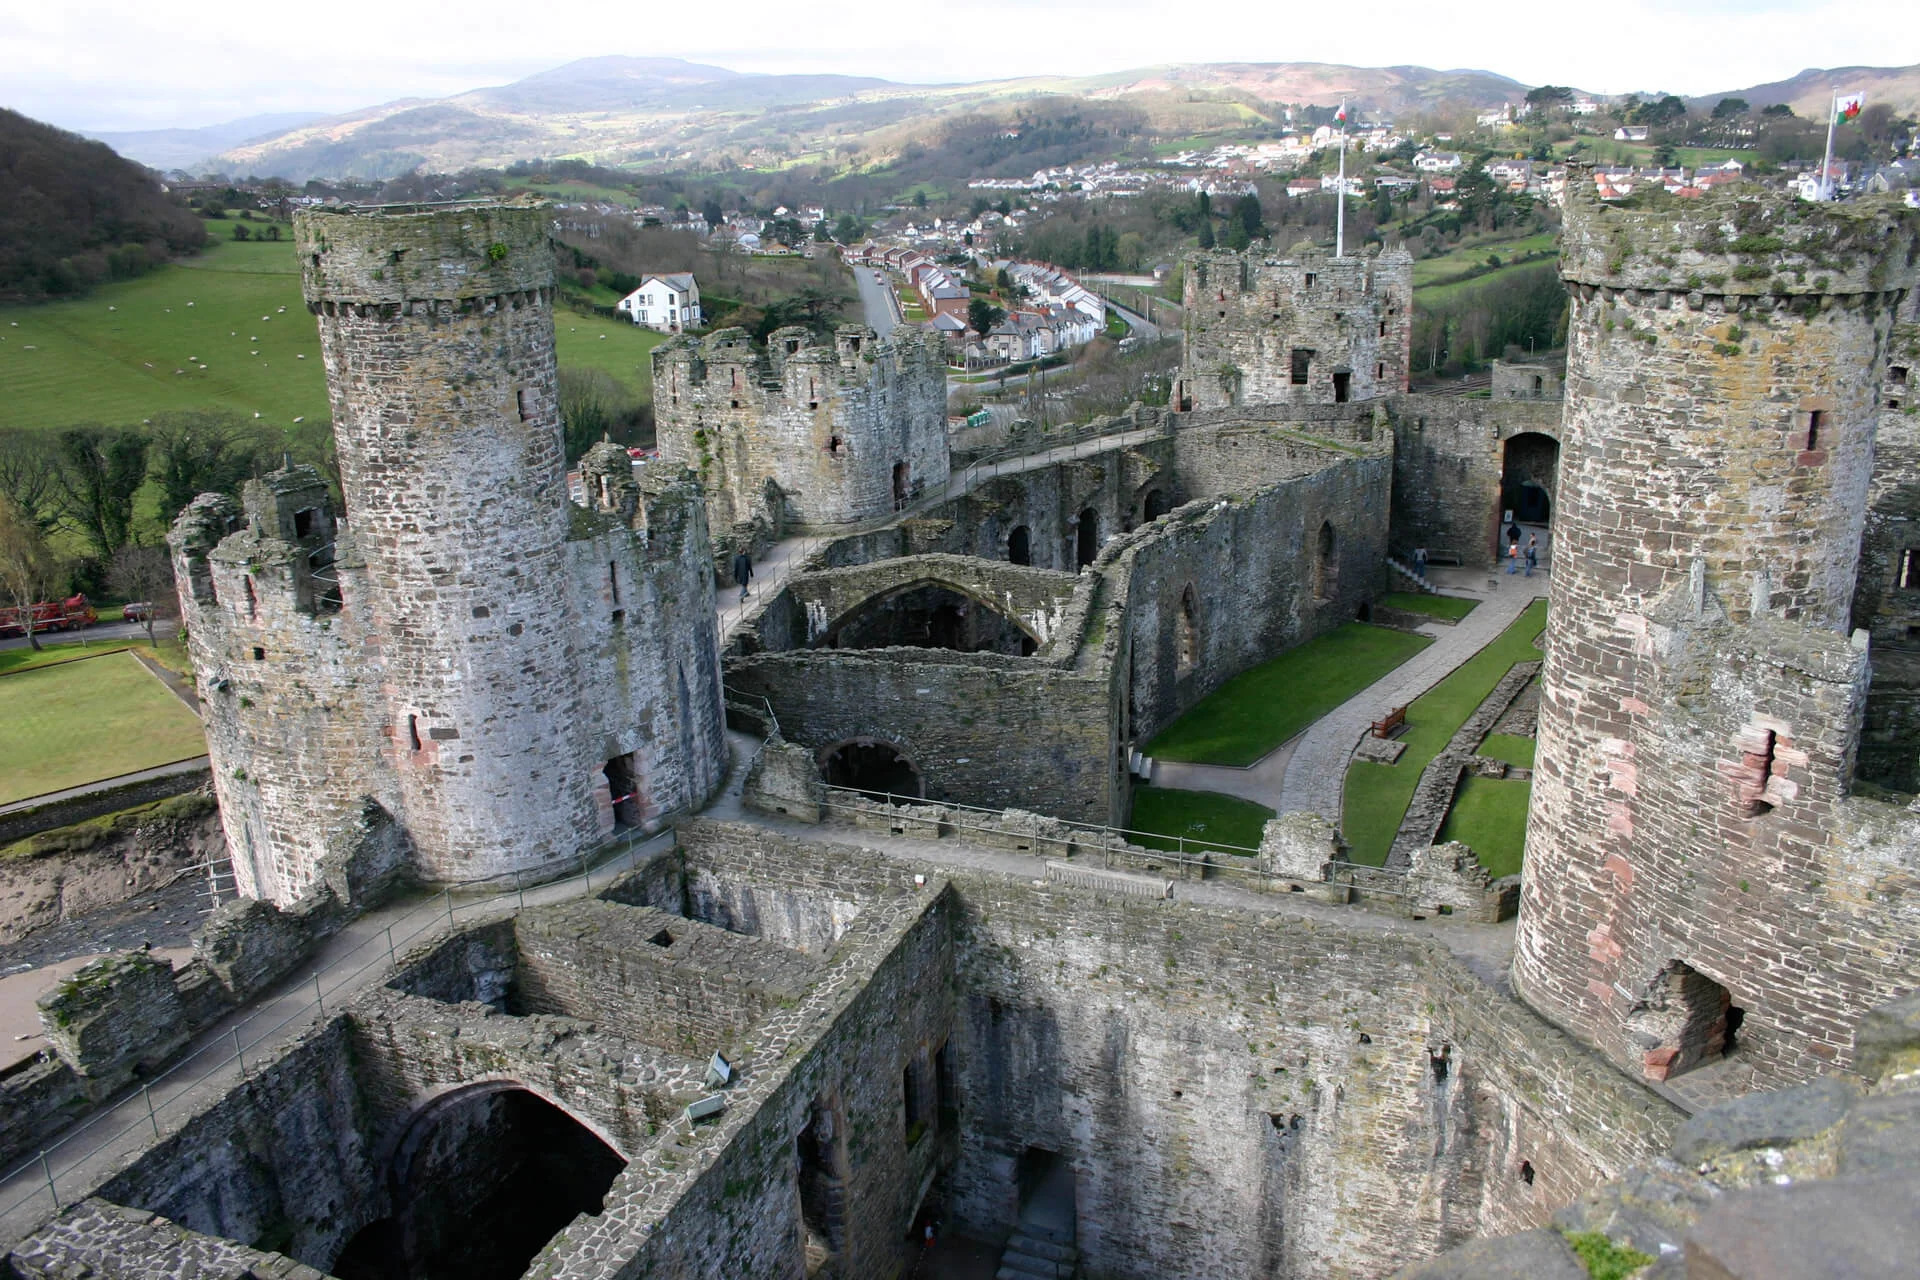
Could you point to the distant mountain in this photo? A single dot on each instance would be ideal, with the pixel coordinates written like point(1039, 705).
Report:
point(73, 213)
point(665, 111)
point(1810, 93)
point(191, 148)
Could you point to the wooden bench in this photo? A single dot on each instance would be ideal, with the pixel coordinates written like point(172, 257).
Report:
point(1395, 719)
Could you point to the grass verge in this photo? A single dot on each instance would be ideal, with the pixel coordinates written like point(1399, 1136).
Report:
point(1377, 794)
point(74, 723)
point(1490, 814)
point(1513, 749)
point(1171, 819)
point(1261, 708)
point(1455, 607)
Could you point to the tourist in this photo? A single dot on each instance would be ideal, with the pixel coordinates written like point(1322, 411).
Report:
point(1533, 553)
point(742, 571)
point(1513, 557)
point(1420, 563)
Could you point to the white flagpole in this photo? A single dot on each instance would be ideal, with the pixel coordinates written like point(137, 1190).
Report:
point(1826, 166)
point(1340, 205)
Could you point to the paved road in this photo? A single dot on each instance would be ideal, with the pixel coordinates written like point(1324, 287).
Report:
point(94, 634)
point(877, 301)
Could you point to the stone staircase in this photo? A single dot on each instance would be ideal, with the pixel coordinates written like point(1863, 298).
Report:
point(1039, 1251)
point(1415, 580)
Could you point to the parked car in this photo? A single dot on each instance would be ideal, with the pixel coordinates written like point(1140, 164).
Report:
point(137, 611)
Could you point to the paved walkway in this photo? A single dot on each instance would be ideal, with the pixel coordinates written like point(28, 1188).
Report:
point(1259, 782)
point(353, 960)
point(1317, 774)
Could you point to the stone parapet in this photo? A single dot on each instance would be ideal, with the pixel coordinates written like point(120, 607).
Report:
point(395, 255)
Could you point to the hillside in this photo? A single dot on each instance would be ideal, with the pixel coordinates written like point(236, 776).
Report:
point(662, 112)
point(1810, 93)
point(192, 148)
point(72, 213)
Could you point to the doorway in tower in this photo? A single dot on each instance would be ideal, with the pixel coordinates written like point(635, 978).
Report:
point(1529, 466)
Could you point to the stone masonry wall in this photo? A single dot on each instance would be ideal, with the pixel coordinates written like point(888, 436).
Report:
point(802, 430)
point(1269, 329)
point(1448, 454)
point(1700, 713)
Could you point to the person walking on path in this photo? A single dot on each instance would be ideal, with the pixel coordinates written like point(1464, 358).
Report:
point(1513, 557)
point(1420, 563)
point(1533, 553)
point(742, 571)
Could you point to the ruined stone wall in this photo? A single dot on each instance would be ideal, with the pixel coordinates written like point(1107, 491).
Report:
point(1886, 598)
point(802, 430)
point(1302, 327)
point(1254, 1096)
point(1448, 459)
point(1037, 599)
point(661, 978)
point(1723, 373)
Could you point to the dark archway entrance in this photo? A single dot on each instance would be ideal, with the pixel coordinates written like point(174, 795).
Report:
point(481, 1180)
point(1087, 538)
point(875, 769)
point(1157, 505)
point(900, 493)
point(1020, 546)
point(1529, 464)
point(928, 615)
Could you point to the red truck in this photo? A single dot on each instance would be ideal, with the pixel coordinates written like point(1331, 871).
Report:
point(49, 615)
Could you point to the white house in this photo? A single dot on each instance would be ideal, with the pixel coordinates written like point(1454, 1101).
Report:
point(668, 303)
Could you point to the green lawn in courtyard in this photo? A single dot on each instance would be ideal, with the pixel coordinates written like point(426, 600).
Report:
point(78, 722)
point(1455, 607)
point(1259, 709)
point(1377, 794)
point(1513, 749)
point(1490, 814)
point(1171, 819)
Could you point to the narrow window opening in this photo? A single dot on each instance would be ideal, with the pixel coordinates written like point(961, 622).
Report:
point(253, 602)
point(303, 523)
point(1539, 384)
point(413, 732)
point(1816, 419)
point(1910, 569)
point(1310, 279)
point(259, 654)
point(1342, 387)
point(833, 445)
point(1439, 1063)
point(1897, 375)
point(1302, 363)
point(1526, 1172)
point(524, 399)
point(619, 617)
point(1380, 371)
point(613, 580)
point(1757, 768)
point(1383, 328)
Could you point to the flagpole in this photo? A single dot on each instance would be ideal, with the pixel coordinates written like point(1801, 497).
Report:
point(1826, 166)
point(1340, 206)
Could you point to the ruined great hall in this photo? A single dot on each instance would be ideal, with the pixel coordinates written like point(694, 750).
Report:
point(773, 936)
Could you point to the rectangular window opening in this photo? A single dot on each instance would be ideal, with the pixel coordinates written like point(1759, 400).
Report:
point(303, 523)
point(1342, 387)
point(259, 654)
point(1302, 364)
point(413, 732)
point(1310, 278)
point(613, 580)
point(1816, 419)
point(523, 398)
point(1910, 569)
point(1897, 375)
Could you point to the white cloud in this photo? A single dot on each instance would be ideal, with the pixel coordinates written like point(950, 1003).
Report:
point(103, 64)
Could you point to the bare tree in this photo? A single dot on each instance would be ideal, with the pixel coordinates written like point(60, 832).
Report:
point(28, 571)
point(144, 574)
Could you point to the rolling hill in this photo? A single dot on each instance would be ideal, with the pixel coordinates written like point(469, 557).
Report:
point(1811, 92)
point(663, 111)
point(192, 148)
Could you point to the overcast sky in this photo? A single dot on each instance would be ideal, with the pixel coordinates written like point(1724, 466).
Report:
point(116, 64)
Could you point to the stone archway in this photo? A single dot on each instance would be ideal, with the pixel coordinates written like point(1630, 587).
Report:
point(876, 769)
point(480, 1179)
point(1086, 538)
point(1529, 470)
point(930, 614)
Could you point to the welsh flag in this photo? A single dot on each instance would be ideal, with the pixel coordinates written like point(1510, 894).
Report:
point(1341, 114)
point(1849, 107)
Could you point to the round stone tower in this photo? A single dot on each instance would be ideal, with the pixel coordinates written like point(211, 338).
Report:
point(437, 330)
point(1718, 443)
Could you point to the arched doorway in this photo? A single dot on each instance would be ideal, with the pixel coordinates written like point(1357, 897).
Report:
point(900, 493)
point(1529, 467)
point(1157, 504)
point(930, 615)
point(875, 769)
point(1086, 538)
point(482, 1178)
point(1687, 1017)
point(1020, 546)
point(1326, 566)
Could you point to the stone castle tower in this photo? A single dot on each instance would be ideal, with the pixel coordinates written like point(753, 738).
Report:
point(1306, 328)
point(800, 431)
point(413, 687)
point(1696, 870)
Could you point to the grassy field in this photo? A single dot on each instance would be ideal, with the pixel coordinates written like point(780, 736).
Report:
point(1197, 820)
point(225, 330)
point(1377, 794)
point(1463, 262)
point(1505, 746)
point(1455, 607)
point(1257, 710)
point(1490, 816)
point(76, 722)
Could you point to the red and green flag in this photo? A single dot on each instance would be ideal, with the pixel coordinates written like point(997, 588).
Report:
point(1849, 107)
